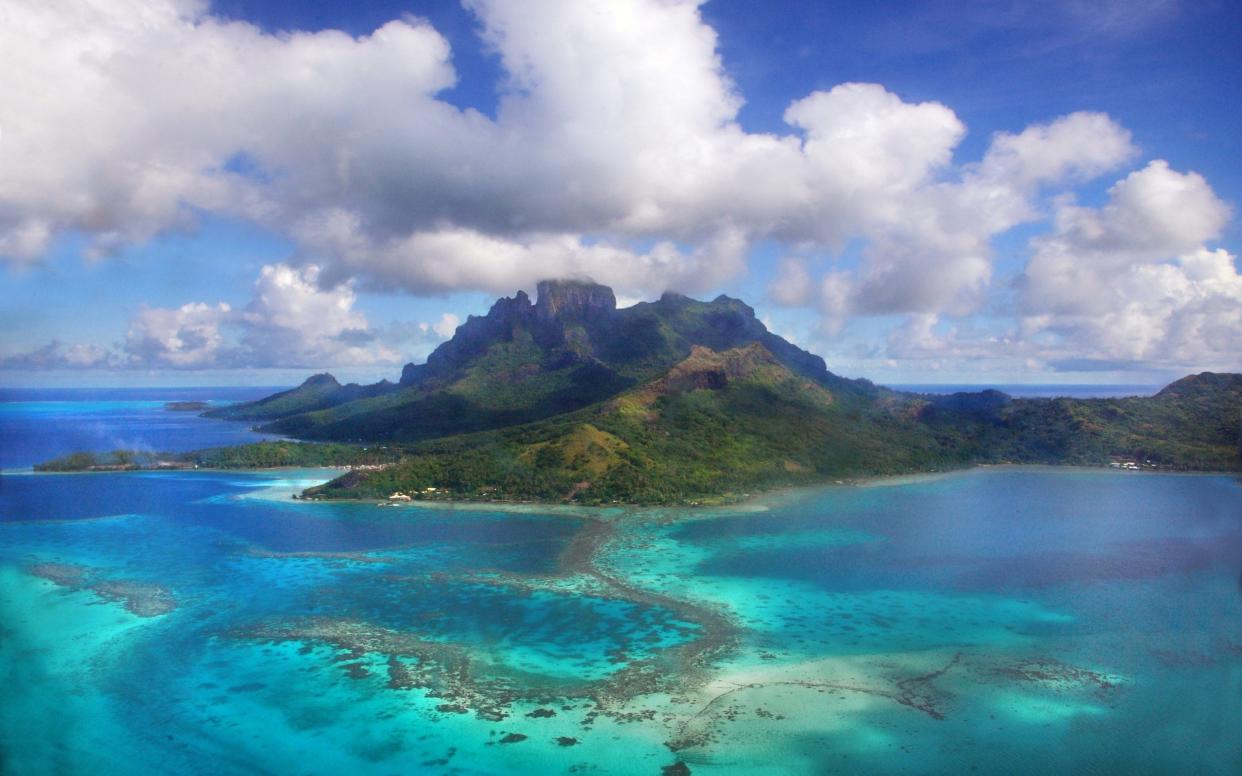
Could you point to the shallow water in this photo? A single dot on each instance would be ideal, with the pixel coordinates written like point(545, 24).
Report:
point(1016, 621)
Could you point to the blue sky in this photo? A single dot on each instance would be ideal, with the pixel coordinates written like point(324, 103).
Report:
point(243, 192)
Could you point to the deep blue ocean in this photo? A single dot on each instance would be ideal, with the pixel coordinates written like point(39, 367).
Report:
point(998, 620)
point(37, 424)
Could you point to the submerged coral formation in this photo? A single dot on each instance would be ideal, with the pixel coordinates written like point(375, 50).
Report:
point(141, 598)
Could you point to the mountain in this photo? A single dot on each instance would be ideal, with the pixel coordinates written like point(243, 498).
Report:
point(716, 423)
point(319, 392)
point(721, 425)
point(679, 400)
point(1194, 423)
point(527, 361)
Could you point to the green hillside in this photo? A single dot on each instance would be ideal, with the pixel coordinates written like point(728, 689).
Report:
point(721, 425)
point(524, 362)
point(717, 424)
point(318, 392)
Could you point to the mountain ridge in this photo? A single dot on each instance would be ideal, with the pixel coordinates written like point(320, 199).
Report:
point(525, 361)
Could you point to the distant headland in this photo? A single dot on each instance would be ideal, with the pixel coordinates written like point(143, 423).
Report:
point(187, 406)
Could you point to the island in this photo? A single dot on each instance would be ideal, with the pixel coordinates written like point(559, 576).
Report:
point(676, 401)
point(259, 455)
point(187, 406)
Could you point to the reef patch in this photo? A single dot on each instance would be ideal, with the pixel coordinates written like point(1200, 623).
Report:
point(469, 680)
point(144, 599)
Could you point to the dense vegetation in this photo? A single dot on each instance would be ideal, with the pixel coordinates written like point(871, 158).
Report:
point(719, 426)
point(261, 455)
point(1195, 423)
point(722, 425)
point(87, 461)
point(318, 392)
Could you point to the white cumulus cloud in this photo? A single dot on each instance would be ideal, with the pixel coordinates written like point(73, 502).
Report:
point(290, 321)
point(187, 336)
point(615, 152)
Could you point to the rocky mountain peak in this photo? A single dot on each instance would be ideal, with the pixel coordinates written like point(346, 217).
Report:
point(507, 310)
point(574, 299)
point(321, 379)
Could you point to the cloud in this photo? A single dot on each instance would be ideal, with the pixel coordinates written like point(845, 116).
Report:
point(1135, 279)
point(290, 321)
point(615, 152)
point(792, 286)
point(1079, 146)
point(454, 258)
point(929, 239)
point(1131, 284)
point(616, 128)
point(1186, 311)
point(445, 327)
point(57, 355)
point(120, 119)
point(187, 336)
point(416, 340)
point(937, 344)
point(863, 139)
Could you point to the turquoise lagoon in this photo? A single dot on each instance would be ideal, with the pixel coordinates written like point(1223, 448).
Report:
point(990, 621)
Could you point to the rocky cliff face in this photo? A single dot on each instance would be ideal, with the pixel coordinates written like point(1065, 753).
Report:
point(577, 322)
point(567, 300)
point(707, 369)
point(503, 321)
point(561, 304)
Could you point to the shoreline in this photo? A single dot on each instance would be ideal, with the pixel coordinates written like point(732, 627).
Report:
point(759, 501)
point(28, 471)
